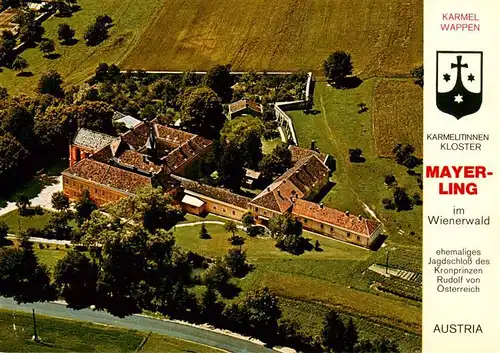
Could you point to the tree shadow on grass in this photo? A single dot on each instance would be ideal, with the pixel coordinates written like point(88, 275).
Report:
point(52, 56)
point(70, 42)
point(229, 291)
point(25, 74)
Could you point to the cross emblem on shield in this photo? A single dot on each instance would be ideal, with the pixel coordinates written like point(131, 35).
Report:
point(459, 82)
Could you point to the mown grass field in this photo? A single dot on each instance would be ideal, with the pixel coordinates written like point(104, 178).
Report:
point(338, 127)
point(383, 36)
point(397, 115)
point(332, 277)
point(59, 335)
point(15, 221)
point(78, 62)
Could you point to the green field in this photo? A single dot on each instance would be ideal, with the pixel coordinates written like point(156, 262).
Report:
point(330, 278)
point(78, 62)
point(384, 36)
point(338, 127)
point(398, 115)
point(15, 221)
point(59, 335)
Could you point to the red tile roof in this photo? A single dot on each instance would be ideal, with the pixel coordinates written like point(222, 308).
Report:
point(296, 182)
point(299, 153)
point(213, 192)
point(356, 224)
point(108, 175)
point(139, 160)
point(242, 104)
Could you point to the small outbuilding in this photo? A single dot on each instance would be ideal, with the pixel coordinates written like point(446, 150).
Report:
point(244, 107)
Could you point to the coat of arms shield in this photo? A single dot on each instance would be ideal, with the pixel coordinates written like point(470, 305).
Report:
point(459, 82)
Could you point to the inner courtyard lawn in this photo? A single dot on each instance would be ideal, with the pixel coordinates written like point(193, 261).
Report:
point(15, 221)
point(337, 127)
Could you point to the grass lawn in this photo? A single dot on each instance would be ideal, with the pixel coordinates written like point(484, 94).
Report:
point(330, 278)
point(78, 62)
point(337, 128)
point(162, 344)
point(397, 115)
point(384, 37)
point(14, 220)
point(60, 335)
point(269, 145)
point(50, 254)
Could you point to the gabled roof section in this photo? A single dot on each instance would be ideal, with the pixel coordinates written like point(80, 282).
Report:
point(92, 139)
point(299, 153)
point(356, 224)
point(213, 192)
point(108, 175)
point(243, 104)
point(296, 183)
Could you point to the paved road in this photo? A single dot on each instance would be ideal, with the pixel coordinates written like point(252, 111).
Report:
point(140, 323)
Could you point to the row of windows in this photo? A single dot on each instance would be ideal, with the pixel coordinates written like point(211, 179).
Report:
point(224, 210)
point(93, 190)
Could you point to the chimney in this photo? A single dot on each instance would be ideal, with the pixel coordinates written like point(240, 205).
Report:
point(321, 205)
point(313, 145)
point(347, 213)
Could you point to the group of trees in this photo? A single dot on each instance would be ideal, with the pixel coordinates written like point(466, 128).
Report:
point(98, 31)
point(287, 231)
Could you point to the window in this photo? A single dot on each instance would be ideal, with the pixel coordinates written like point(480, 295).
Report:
point(224, 210)
point(305, 220)
point(95, 190)
point(256, 209)
point(265, 213)
point(357, 238)
point(234, 213)
point(65, 181)
point(321, 225)
point(348, 234)
point(215, 207)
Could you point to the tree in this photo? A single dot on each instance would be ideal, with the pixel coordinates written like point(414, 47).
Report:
point(7, 45)
point(47, 46)
point(403, 155)
point(23, 203)
point(402, 200)
point(149, 112)
point(230, 166)
point(98, 31)
point(30, 30)
point(350, 337)
point(390, 179)
point(65, 33)
point(277, 162)
point(236, 261)
point(216, 275)
point(287, 231)
point(75, 278)
point(388, 204)
point(337, 66)
point(50, 83)
point(20, 64)
point(245, 133)
point(22, 277)
point(236, 240)
point(230, 227)
point(60, 201)
point(332, 335)
point(151, 207)
point(84, 207)
point(204, 233)
point(219, 79)
point(58, 226)
point(97, 116)
point(201, 111)
point(355, 155)
point(248, 219)
point(377, 346)
point(13, 156)
point(211, 308)
point(4, 231)
point(18, 121)
point(262, 312)
point(418, 74)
